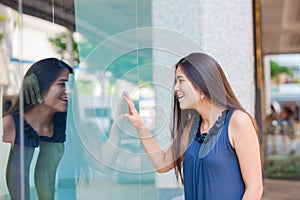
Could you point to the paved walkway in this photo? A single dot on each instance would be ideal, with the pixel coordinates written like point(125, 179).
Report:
point(281, 190)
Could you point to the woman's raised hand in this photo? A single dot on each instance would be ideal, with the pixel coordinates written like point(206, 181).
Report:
point(133, 116)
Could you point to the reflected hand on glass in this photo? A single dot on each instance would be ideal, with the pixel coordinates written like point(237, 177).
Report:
point(31, 89)
point(120, 124)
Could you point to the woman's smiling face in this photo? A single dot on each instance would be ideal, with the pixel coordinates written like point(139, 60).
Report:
point(187, 95)
point(56, 97)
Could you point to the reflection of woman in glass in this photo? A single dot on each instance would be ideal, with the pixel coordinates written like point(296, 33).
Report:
point(287, 125)
point(273, 126)
point(44, 124)
point(215, 139)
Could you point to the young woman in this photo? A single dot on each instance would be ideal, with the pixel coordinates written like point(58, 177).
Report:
point(215, 141)
point(43, 126)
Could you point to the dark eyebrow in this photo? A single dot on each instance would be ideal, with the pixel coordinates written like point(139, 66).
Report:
point(179, 76)
point(62, 80)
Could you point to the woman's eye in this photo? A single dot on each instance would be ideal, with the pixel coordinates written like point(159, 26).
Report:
point(62, 84)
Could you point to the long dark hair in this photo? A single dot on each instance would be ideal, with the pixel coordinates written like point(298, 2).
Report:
point(46, 72)
point(207, 76)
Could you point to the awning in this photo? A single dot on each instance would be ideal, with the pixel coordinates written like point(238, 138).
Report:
point(280, 22)
point(57, 11)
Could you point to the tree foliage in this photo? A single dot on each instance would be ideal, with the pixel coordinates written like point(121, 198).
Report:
point(60, 44)
point(2, 19)
point(276, 69)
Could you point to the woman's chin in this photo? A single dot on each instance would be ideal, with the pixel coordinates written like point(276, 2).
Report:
point(182, 107)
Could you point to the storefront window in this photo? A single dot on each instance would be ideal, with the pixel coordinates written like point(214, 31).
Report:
point(283, 115)
point(112, 47)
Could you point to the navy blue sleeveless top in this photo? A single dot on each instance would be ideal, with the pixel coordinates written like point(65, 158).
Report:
point(214, 174)
point(31, 137)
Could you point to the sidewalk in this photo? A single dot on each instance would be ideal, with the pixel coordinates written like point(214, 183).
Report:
point(275, 189)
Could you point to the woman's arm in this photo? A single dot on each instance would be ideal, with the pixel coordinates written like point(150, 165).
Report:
point(110, 149)
point(9, 129)
point(246, 144)
point(162, 161)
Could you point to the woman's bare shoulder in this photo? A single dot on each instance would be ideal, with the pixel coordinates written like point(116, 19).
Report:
point(241, 127)
point(240, 117)
point(8, 120)
point(9, 129)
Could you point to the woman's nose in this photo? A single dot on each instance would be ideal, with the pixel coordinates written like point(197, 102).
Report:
point(176, 88)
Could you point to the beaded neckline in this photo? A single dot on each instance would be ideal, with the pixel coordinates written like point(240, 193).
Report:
point(204, 137)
